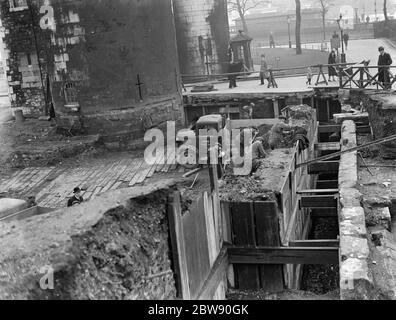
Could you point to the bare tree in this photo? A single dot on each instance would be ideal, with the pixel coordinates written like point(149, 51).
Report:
point(324, 8)
point(386, 11)
point(242, 7)
point(298, 27)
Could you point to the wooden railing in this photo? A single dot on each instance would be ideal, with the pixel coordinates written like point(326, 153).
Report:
point(350, 75)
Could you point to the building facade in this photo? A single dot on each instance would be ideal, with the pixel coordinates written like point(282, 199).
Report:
point(107, 66)
point(202, 36)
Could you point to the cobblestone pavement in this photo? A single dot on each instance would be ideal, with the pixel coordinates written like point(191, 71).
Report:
point(52, 186)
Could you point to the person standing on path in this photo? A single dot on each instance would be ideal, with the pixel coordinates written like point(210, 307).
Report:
point(332, 70)
point(346, 40)
point(309, 76)
point(272, 40)
point(385, 61)
point(264, 74)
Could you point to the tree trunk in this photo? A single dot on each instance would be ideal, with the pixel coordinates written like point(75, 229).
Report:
point(386, 11)
point(242, 16)
point(244, 24)
point(298, 27)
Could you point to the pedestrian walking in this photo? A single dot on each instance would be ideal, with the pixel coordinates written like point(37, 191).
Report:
point(385, 61)
point(346, 40)
point(332, 70)
point(309, 75)
point(264, 73)
point(272, 40)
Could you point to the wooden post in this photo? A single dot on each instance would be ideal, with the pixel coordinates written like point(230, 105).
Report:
point(276, 108)
point(361, 81)
point(178, 245)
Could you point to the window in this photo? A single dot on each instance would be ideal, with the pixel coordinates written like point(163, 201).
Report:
point(18, 5)
point(70, 95)
point(29, 59)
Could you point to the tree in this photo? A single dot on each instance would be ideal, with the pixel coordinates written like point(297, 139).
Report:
point(242, 7)
point(386, 11)
point(298, 27)
point(324, 8)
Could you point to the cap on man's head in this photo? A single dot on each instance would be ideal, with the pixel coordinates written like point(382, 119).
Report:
point(76, 190)
point(381, 49)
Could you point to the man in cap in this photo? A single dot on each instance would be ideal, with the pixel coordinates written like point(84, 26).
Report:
point(248, 111)
point(76, 199)
point(384, 61)
point(277, 132)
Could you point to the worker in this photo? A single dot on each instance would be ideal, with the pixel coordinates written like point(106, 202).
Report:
point(277, 132)
point(248, 111)
point(76, 199)
point(258, 152)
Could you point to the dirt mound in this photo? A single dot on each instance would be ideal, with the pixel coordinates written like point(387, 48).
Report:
point(114, 247)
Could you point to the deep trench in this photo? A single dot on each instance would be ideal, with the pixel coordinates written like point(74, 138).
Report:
point(322, 279)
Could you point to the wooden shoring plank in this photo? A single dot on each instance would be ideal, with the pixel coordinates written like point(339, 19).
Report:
point(243, 227)
point(226, 219)
point(328, 146)
point(327, 184)
point(324, 213)
point(363, 129)
point(321, 201)
point(283, 255)
point(268, 235)
point(314, 243)
point(323, 167)
point(216, 275)
point(329, 128)
point(316, 191)
point(178, 245)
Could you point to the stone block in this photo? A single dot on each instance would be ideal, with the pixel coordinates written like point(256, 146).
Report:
point(350, 198)
point(348, 228)
point(352, 247)
point(355, 280)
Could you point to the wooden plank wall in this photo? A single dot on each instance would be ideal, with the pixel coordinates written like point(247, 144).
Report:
point(296, 221)
point(254, 224)
point(197, 238)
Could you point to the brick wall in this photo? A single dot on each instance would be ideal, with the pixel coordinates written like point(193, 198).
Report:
point(202, 35)
point(26, 48)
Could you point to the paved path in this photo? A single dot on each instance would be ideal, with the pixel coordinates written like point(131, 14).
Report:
point(358, 50)
point(53, 186)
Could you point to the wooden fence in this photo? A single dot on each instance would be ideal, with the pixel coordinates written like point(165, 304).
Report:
point(197, 246)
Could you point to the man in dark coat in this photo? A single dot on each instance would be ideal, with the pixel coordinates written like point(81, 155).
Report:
point(233, 69)
point(76, 199)
point(346, 40)
point(384, 60)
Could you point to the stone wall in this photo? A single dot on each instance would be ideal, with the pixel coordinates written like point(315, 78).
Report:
point(26, 48)
point(202, 35)
point(355, 279)
point(114, 247)
point(381, 107)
